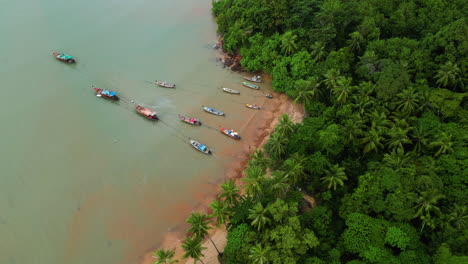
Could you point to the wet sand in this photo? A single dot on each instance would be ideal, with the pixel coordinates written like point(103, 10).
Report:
point(255, 133)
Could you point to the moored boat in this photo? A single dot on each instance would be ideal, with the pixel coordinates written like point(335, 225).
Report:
point(63, 57)
point(106, 93)
point(146, 112)
point(251, 86)
point(231, 91)
point(269, 96)
point(254, 78)
point(212, 111)
point(200, 147)
point(230, 133)
point(165, 84)
point(190, 120)
point(253, 106)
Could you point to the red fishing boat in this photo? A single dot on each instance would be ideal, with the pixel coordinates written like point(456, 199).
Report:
point(146, 112)
point(230, 133)
point(190, 120)
point(63, 57)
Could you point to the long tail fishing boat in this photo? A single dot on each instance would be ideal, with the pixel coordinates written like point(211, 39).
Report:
point(146, 112)
point(63, 57)
point(212, 111)
point(253, 78)
point(253, 106)
point(231, 91)
point(190, 120)
point(230, 133)
point(165, 84)
point(105, 94)
point(200, 147)
point(251, 86)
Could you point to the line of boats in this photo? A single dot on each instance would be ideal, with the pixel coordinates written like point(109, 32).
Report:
point(152, 115)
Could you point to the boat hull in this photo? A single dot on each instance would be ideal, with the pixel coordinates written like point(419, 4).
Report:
point(165, 85)
point(200, 147)
point(252, 79)
point(188, 121)
point(251, 86)
point(226, 132)
point(231, 91)
point(56, 55)
point(213, 111)
point(100, 94)
point(146, 113)
point(255, 107)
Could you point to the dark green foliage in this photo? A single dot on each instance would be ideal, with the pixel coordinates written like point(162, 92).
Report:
point(382, 152)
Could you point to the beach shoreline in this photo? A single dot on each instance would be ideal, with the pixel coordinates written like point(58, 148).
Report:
point(255, 131)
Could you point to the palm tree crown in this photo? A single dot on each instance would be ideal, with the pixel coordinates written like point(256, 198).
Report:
point(334, 176)
point(164, 256)
point(193, 248)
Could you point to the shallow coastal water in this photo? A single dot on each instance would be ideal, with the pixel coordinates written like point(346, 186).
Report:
point(85, 180)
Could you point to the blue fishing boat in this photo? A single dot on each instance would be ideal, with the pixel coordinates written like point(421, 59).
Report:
point(200, 147)
point(213, 111)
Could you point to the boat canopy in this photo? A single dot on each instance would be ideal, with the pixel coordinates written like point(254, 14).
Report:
point(202, 147)
point(108, 93)
point(65, 56)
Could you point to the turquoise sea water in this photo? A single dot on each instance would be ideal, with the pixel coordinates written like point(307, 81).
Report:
point(85, 180)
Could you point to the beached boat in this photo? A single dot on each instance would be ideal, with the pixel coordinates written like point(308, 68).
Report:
point(190, 120)
point(269, 96)
point(63, 57)
point(230, 133)
point(231, 91)
point(253, 106)
point(146, 112)
point(213, 111)
point(106, 94)
point(200, 147)
point(254, 79)
point(165, 84)
point(251, 86)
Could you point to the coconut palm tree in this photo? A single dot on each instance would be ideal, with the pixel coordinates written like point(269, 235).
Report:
point(342, 89)
point(318, 51)
point(258, 254)
point(427, 203)
point(334, 176)
point(253, 186)
point(356, 41)
point(220, 211)
point(199, 226)
point(307, 91)
point(449, 75)
point(258, 159)
point(294, 168)
point(260, 216)
point(408, 101)
point(288, 42)
point(285, 125)
point(229, 192)
point(379, 121)
point(164, 256)
point(459, 217)
point(398, 137)
point(193, 248)
point(279, 183)
point(443, 143)
point(331, 78)
point(373, 141)
point(420, 138)
point(397, 158)
point(277, 145)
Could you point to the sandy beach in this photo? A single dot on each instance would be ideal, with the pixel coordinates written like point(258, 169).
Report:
point(255, 132)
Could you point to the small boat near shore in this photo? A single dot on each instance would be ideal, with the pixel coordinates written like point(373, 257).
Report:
point(253, 106)
point(251, 86)
point(212, 111)
point(190, 120)
point(230, 133)
point(63, 57)
point(200, 147)
point(231, 91)
point(165, 84)
point(270, 96)
point(146, 112)
point(105, 94)
point(256, 79)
